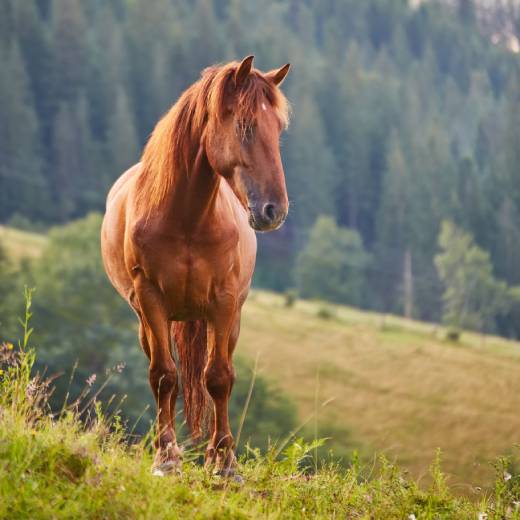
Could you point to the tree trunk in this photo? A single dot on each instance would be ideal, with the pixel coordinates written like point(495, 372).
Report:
point(408, 284)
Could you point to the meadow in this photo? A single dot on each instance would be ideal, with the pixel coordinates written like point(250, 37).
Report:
point(52, 465)
point(21, 244)
point(380, 384)
point(392, 385)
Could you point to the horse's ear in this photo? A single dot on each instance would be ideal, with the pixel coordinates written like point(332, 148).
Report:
point(278, 75)
point(243, 70)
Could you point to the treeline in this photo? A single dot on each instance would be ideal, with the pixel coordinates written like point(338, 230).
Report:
point(402, 118)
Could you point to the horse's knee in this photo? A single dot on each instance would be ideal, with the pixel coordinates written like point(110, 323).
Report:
point(163, 379)
point(219, 379)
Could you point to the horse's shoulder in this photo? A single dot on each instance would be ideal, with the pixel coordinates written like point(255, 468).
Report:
point(139, 231)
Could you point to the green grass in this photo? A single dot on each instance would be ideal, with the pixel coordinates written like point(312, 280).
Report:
point(382, 385)
point(395, 385)
point(58, 467)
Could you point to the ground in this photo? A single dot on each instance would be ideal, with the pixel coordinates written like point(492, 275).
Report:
point(394, 386)
point(376, 383)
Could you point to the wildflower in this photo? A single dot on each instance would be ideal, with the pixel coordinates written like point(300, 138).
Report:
point(119, 367)
point(91, 379)
point(7, 354)
point(1, 372)
point(482, 516)
point(507, 476)
point(32, 388)
point(411, 516)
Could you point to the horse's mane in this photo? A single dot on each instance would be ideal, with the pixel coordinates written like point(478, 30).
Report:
point(175, 140)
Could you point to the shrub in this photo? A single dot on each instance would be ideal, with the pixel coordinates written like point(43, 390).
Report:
point(453, 334)
point(290, 297)
point(325, 312)
point(332, 265)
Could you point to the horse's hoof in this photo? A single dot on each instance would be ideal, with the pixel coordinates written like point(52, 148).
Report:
point(231, 474)
point(168, 467)
point(238, 479)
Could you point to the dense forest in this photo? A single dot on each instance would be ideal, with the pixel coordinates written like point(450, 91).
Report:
point(403, 117)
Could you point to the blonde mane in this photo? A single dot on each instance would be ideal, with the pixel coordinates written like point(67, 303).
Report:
point(175, 140)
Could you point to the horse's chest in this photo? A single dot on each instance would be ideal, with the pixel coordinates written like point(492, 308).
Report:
point(193, 278)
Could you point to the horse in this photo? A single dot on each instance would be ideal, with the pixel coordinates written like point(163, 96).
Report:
point(178, 243)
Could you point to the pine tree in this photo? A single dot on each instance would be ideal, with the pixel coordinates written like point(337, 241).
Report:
point(70, 53)
point(394, 233)
point(507, 240)
point(122, 142)
point(506, 170)
point(23, 188)
point(75, 178)
point(36, 50)
point(309, 174)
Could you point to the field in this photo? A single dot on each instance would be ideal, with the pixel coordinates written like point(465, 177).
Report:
point(54, 466)
point(21, 244)
point(394, 386)
point(381, 384)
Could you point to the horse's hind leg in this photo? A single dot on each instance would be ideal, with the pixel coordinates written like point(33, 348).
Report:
point(162, 373)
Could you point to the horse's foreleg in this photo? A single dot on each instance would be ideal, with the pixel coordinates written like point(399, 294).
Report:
point(162, 374)
point(219, 375)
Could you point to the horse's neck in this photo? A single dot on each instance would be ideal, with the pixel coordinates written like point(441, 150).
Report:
point(194, 195)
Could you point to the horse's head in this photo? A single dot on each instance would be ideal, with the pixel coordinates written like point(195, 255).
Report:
point(243, 142)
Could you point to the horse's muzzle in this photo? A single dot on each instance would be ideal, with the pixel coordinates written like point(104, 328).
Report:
point(267, 217)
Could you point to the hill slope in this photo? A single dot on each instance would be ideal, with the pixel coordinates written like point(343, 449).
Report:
point(54, 467)
point(21, 244)
point(394, 384)
point(390, 385)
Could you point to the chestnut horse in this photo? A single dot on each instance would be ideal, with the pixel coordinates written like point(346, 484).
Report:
point(178, 241)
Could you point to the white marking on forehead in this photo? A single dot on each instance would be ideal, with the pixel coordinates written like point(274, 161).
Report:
point(264, 107)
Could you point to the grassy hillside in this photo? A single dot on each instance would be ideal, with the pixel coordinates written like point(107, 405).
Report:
point(392, 385)
point(381, 384)
point(55, 467)
point(21, 244)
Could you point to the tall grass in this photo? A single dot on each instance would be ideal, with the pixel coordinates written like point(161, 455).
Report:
point(61, 466)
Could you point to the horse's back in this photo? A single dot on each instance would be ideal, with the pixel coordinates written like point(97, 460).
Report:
point(122, 183)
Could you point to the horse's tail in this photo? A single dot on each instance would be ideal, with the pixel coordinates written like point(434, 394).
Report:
point(191, 343)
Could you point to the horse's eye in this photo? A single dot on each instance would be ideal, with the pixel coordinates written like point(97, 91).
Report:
point(245, 131)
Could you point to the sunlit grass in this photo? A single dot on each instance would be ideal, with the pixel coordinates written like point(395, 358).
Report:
point(396, 385)
point(54, 465)
point(391, 385)
point(21, 244)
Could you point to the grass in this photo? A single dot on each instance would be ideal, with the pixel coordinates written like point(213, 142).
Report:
point(21, 244)
point(376, 383)
point(396, 385)
point(59, 467)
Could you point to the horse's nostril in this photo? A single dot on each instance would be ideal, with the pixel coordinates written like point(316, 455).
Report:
point(270, 211)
